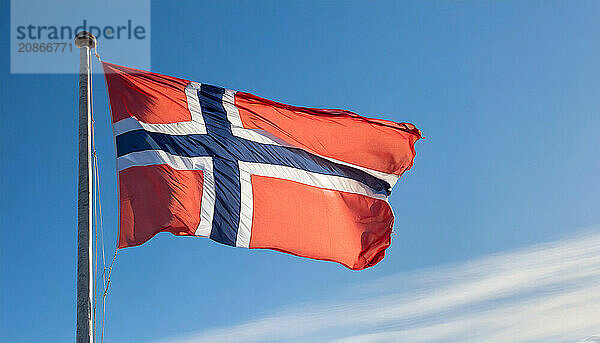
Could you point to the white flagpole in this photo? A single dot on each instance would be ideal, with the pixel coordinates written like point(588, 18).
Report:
point(85, 282)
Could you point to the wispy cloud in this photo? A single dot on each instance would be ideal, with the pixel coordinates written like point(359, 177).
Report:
point(545, 293)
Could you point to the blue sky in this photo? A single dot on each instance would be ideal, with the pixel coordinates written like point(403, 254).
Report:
point(506, 94)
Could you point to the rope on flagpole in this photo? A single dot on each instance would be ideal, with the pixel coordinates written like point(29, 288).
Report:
point(107, 283)
point(95, 214)
point(95, 202)
point(99, 235)
point(96, 53)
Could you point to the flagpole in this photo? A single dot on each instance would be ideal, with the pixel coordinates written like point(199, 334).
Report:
point(85, 41)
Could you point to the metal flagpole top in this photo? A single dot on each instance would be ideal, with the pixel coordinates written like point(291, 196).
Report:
point(84, 38)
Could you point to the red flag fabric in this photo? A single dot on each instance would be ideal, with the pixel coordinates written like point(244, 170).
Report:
point(201, 160)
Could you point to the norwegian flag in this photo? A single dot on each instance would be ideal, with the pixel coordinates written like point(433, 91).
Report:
point(200, 160)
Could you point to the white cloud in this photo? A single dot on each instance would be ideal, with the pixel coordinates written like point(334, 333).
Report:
point(545, 293)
